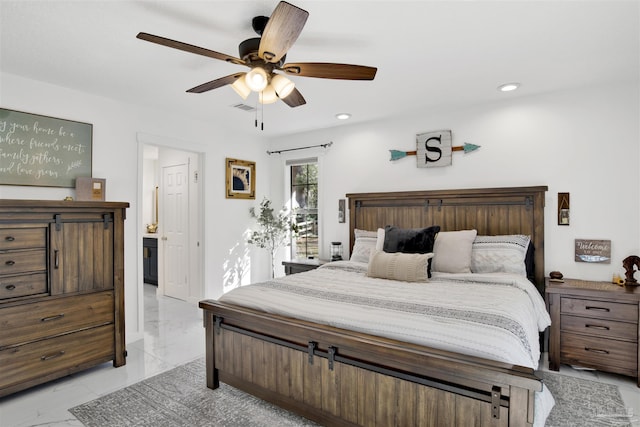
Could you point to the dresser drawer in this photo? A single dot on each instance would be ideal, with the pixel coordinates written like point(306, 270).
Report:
point(22, 285)
point(41, 358)
point(610, 355)
point(599, 327)
point(600, 309)
point(23, 261)
point(27, 322)
point(22, 238)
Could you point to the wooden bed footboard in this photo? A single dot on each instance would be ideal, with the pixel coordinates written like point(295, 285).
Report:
point(340, 377)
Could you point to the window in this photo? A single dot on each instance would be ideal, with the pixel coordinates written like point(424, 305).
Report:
point(304, 207)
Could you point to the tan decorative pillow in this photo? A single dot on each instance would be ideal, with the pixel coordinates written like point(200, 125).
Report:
point(452, 251)
point(399, 266)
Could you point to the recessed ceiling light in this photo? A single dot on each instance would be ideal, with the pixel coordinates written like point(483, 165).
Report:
point(508, 87)
point(343, 116)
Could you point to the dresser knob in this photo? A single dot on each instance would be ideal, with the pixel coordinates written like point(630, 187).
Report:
point(10, 262)
point(9, 238)
point(10, 287)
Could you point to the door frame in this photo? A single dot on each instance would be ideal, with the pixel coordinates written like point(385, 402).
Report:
point(197, 214)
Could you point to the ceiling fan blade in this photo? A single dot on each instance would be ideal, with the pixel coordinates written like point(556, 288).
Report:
point(214, 84)
point(189, 48)
point(294, 99)
point(326, 70)
point(282, 30)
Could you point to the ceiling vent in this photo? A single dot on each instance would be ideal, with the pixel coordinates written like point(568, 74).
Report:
point(244, 107)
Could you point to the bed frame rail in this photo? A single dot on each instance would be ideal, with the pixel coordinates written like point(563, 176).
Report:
point(337, 377)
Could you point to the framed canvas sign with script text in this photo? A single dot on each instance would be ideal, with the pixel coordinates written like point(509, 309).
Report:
point(43, 151)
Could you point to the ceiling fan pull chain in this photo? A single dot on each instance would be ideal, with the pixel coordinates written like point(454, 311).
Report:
point(256, 121)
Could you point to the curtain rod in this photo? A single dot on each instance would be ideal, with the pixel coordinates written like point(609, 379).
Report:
point(328, 144)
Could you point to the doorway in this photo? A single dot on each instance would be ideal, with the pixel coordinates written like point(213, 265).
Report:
point(171, 186)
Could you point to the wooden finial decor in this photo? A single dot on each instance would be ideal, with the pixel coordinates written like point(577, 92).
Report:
point(628, 263)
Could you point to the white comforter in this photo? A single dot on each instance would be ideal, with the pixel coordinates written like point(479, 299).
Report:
point(494, 316)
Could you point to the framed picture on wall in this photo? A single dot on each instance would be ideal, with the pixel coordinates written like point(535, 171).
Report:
point(241, 179)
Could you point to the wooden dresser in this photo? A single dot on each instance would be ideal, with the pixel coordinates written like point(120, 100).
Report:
point(61, 289)
point(594, 325)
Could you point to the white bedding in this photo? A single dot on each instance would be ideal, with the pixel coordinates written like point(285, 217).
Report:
point(495, 316)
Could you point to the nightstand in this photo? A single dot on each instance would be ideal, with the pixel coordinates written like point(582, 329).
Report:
point(595, 325)
point(300, 265)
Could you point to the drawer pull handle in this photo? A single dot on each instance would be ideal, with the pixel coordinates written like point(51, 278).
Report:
point(590, 307)
point(56, 261)
point(604, 328)
point(52, 356)
point(10, 238)
point(10, 287)
point(595, 350)
point(10, 262)
point(50, 318)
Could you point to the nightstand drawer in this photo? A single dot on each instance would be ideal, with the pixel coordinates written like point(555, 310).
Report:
point(599, 327)
point(593, 351)
point(600, 309)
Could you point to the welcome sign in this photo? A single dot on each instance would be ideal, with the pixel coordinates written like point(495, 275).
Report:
point(593, 251)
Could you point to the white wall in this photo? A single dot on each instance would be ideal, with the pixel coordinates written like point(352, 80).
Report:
point(115, 157)
point(585, 142)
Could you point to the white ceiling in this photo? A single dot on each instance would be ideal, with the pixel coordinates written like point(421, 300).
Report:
point(428, 53)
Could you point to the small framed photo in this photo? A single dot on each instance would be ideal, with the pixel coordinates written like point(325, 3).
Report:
point(90, 189)
point(241, 179)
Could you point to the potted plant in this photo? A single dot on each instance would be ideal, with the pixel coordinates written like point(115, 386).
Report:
point(274, 229)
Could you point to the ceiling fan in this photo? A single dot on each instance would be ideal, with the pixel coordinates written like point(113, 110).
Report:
point(266, 55)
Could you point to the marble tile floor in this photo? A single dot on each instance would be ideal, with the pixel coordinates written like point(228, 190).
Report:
point(173, 336)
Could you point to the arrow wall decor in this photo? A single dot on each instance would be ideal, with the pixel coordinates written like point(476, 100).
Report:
point(434, 149)
point(467, 148)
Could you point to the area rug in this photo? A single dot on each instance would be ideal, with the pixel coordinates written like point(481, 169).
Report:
point(179, 398)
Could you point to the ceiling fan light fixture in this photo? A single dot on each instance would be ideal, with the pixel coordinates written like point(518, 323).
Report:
point(282, 85)
point(241, 88)
point(257, 79)
point(268, 95)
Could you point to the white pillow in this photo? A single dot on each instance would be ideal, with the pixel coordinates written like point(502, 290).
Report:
point(380, 242)
point(500, 254)
point(452, 251)
point(399, 266)
point(365, 242)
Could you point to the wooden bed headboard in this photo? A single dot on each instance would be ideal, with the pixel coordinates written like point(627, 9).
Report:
point(491, 211)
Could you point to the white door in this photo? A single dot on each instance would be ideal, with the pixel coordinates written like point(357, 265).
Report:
point(175, 226)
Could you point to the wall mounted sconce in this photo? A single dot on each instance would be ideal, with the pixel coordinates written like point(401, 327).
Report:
point(341, 210)
point(563, 208)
